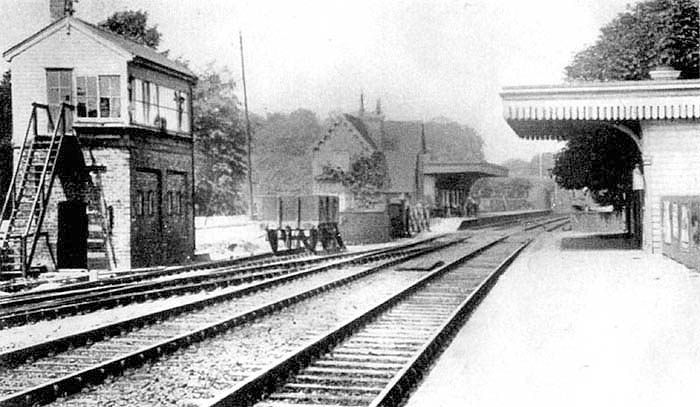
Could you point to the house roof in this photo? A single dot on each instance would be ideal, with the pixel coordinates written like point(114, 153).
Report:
point(402, 171)
point(361, 127)
point(138, 52)
point(401, 143)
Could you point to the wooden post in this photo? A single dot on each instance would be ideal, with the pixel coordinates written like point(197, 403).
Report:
point(247, 129)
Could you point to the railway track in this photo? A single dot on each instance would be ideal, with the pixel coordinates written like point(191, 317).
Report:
point(376, 358)
point(233, 355)
point(52, 305)
point(7, 304)
point(19, 289)
point(42, 372)
point(84, 297)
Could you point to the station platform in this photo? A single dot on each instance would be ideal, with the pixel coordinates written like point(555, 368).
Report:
point(577, 320)
point(454, 223)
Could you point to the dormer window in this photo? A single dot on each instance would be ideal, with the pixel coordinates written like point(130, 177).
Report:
point(98, 96)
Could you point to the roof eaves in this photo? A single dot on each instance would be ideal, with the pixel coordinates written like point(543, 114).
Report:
point(22, 45)
point(140, 51)
point(164, 69)
point(363, 135)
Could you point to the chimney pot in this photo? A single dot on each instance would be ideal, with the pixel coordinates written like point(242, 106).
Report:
point(664, 73)
point(60, 8)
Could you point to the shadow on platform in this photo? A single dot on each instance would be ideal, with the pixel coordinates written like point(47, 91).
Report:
point(618, 241)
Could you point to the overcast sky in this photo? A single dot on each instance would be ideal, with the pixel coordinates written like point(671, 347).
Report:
point(422, 58)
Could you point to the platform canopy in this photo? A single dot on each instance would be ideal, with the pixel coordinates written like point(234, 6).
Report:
point(479, 169)
point(556, 112)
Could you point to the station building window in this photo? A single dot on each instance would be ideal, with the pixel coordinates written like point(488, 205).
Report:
point(151, 203)
point(171, 203)
point(98, 96)
point(139, 203)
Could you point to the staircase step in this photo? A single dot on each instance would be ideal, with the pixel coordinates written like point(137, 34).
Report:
point(98, 264)
point(96, 245)
point(7, 275)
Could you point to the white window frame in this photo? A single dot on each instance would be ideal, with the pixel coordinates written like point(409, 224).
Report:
point(99, 96)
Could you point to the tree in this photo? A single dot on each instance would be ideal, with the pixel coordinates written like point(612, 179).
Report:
point(648, 34)
point(220, 145)
point(521, 168)
point(218, 136)
point(602, 161)
point(5, 134)
point(452, 141)
point(134, 26)
point(282, 152)
point(367, 177)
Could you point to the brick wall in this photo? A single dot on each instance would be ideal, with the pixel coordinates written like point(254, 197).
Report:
point(171, 159)
point(115, 189)
point(364, 227)
point(171, 238)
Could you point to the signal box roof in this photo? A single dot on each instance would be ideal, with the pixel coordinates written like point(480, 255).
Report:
point(137, 52)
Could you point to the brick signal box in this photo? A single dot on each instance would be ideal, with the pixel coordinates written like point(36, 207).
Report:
point(110, 120)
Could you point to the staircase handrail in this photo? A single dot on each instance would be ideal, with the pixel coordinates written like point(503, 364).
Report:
point(61, 124)
point(10, 196)
point(106, 230)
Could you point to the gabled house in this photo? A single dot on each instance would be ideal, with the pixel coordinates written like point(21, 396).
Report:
point(123, 154)
point(425, 162)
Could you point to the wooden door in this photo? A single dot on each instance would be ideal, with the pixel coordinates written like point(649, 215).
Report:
point(176, 222)
point(147, 220)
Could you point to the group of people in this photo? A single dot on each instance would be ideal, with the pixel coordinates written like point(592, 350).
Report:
point(468, 208)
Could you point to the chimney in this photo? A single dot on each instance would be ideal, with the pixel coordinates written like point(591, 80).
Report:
point(60, 8)
point(362, 104)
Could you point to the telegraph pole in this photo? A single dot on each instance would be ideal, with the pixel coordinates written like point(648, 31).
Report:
point(247, 130)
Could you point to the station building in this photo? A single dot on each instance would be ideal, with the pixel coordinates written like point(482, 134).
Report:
point(424, 164)
point(123, 195)
point(660, 116)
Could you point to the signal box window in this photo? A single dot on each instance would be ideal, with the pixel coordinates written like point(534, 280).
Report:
point(98, 96)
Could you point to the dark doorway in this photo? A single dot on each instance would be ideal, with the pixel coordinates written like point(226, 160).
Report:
point(72, 234)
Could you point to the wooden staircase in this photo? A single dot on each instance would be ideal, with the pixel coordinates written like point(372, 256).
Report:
point(28, 196)
point(100, 252)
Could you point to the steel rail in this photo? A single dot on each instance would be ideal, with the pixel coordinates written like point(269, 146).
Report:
point(14, 357)
point(137, 275)
point(95, 374)
point(252, 389)
point(129, 294)
point(219, 265)
point(397, 389)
